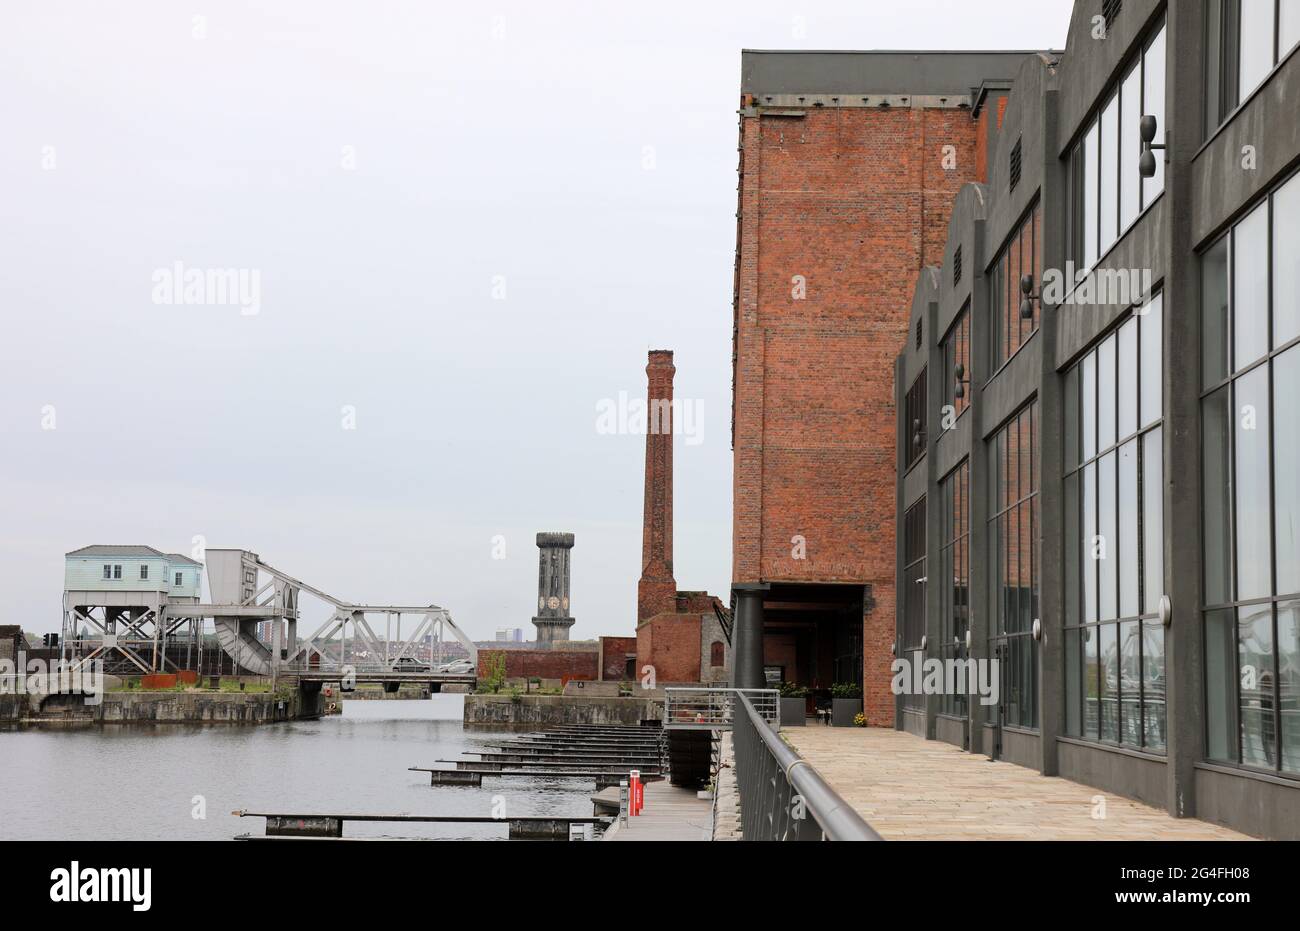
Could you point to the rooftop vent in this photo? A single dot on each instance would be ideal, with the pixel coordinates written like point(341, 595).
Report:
point(1110, 9)
point(956, 267)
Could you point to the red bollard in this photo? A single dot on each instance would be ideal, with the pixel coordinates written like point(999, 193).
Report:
point(634, 787)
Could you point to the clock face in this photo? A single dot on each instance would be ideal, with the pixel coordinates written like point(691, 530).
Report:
point(553, 603)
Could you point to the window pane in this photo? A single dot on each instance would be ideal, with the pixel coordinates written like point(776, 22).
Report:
point(1286, 262)
point(1127, 558)
point(1089, 542)
point(1288, 664)
point(1090, 184)
point(1153, 507)
point(1288, 26)
point(1091, 672)
point(1072, 416)
point(1214, 314)
point(1126, 372)
point(1216, 426)
point(1254, 555)
point(1153, 685)
point(1152, 365)
point(1154, 104)
point(1130, 679)
point(1073, 683)
point(1286, 474)
point(1109, 172)
point(1255, 659)
point(1256, 44)
point(1108, 576)
point(1106, 394)
point(1250, 288)
point(1073, 551)
point(1130, 147)
point(1221, 684)
point(1108, 699)
point(1088, 387)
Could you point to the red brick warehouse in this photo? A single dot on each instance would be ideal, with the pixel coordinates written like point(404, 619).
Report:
point(849, 163)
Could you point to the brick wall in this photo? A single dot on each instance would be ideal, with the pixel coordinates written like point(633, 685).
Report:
point(613, 656)
point(856, 201)
point(543, 664)
point(671, 644)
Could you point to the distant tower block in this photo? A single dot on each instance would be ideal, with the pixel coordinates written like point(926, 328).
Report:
point(553, 619)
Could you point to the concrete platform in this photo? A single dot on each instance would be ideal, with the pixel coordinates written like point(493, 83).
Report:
point(908, 788)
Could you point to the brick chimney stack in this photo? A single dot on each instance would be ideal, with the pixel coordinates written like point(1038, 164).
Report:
point(657, 590)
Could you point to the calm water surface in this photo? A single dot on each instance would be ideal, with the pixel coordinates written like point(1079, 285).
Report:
point(139, 782)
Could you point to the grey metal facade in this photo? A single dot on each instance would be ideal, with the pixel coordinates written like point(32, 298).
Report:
point(1216, 169)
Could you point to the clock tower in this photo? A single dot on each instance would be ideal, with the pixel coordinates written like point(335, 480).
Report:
point(553, 619)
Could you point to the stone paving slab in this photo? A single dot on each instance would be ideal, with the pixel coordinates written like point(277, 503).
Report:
point(908, 788)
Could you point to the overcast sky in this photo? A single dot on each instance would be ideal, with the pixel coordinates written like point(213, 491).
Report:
point(469, 222)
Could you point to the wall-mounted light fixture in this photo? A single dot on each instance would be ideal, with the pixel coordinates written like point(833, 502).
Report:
point(1147, 165)
point(1030, 298)
point(959, 389)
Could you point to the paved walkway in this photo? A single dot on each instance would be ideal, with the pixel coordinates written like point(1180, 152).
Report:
point(913, 789)
point(669, 813)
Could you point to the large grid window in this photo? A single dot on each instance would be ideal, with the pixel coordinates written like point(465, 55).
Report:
point(1022, 255)
point(1013, 532)
point(954, 575)
point(1247, 40)
point(1114, 505)
point(914, 409)
point(914, 581)
point(956, 364)
point(1107, 189)
point(1251, 512)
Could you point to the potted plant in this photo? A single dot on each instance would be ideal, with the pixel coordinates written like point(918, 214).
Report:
point(794, 702)
point(846, 703)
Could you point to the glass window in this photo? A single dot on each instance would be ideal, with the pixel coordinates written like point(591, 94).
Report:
point(1255, 59)
point(1114, 543)
point(1288, 670)
point(1021, 256)
point(1286, 469)
point(955, 563)
point(956, 363)
point(1251, 509)
point(1255, 672)
point(1250, 439)
point(915, 417)
point(1109, 186)
point(1127, 378)
point(1013, 536)
point(1153, 509)
point(1151, 323)
point(1216, 437)
point(1091, 203)
point(108, 572)
point(1127, 558)
point(1288, 26)
point(144, 571)
point(1153, 103)
point(179, 577)
point(1250, 288)
point(1106, 386)
point(1214, 314)
point(1286, 262)
point(1130, 146)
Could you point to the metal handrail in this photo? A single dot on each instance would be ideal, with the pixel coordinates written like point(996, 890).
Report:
point(715, 708)
point(779, 789)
